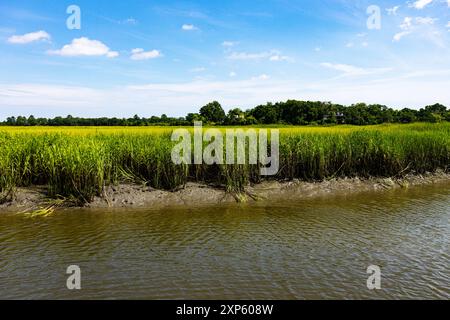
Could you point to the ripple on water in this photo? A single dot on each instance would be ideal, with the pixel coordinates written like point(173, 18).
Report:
point(308, 249)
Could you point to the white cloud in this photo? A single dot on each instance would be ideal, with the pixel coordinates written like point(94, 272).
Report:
point(448, 24)
point(393, 11)
point(420, 4)
point(197, 70)
point(426, 20)
point(85, 47)
point(232, 74)
point(131, 21)
point(181, 98)
point(29, 37)
point(350, 45)
point(229, 44)
point(278, 57)
point(407, 23)
point(398, 36)
point(38, 95)
point(140, 54)
point(421, 25)
point(262, 77)
point(273, 55)
point(349, 70)
point(248, 56)
point(188, 27)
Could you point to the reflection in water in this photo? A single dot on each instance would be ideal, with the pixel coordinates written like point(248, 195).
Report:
point(307, 249)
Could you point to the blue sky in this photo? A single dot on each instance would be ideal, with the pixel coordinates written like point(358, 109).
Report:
point(172, 57)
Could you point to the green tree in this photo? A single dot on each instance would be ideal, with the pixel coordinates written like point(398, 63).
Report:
point(213, 112)
point(406, 116)
point(236, 117)
point(32, 121)
point(436, 108)
point(266, 114)
point(447, 116)
point(21, 121)
point(11, 121)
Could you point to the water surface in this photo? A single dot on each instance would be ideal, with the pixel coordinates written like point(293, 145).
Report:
point(298, 249)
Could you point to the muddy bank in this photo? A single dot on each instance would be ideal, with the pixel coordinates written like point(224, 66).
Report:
point(193, 194)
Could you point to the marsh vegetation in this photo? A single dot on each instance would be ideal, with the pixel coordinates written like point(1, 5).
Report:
point(80, 162)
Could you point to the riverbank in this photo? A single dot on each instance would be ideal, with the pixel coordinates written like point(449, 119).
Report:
point(76, 163)
point(194, 194)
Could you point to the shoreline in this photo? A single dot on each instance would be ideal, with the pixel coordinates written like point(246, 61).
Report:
point(195, 194)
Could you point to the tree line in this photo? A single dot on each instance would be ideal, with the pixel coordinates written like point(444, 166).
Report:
point(291, 112)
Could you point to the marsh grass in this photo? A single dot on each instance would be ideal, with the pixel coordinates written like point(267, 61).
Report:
point(81, 162)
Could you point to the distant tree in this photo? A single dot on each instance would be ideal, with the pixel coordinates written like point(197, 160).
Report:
point(292, 112)
point(436, 118)
point(11, 121)
point(447, 116)
point(31, 121)
point(434, 113)
point(436, 108)
point(250, 120)
point(192, 117)
point(236, 117)
point(266, 114)
point(213, 112)
point(21, 121)
point(406, 116)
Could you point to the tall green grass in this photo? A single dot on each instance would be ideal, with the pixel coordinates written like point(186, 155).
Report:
point(80, 163)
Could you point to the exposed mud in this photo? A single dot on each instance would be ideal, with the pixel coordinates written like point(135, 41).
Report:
point(193, 194)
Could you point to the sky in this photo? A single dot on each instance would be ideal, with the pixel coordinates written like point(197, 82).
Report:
point(154, 57)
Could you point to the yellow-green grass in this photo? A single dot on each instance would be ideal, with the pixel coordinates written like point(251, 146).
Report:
point(79, 162)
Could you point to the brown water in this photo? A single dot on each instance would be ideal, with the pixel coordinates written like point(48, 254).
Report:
point(310, 249)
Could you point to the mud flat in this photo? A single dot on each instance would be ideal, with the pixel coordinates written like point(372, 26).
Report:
point(194, 194)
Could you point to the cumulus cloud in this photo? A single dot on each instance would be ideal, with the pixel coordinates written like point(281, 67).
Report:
point(188, 27)
point(84, 47)
point(141, 54)
point(29, 37)
point(420, 4)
